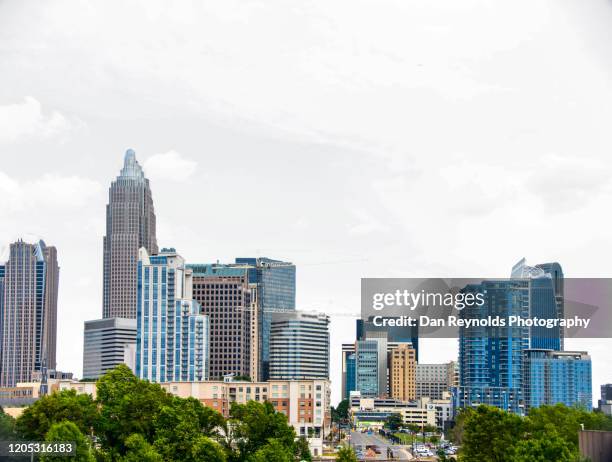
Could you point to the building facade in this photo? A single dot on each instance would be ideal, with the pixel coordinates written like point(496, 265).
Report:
point(349, 369)
point(172, 340)
point(545, 301)
point(552, 377)
point(28, 309)
point(275, 282)
point(433, 380)
point(402, 372)
point(371, 367)
point(130, 225)
point(306, 403)
point(491, 359)
point(299, 346)
point(230, 302)
point(372, 413)
point(104, 343)
point(605, 403)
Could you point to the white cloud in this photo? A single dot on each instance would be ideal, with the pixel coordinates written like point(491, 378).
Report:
point(169, 166)
point(51, 191)
point(27, 119)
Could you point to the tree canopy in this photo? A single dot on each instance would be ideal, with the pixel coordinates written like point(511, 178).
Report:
point(135, 420)
point(547, 433)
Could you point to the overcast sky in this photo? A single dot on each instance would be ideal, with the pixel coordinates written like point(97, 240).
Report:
point(354, 138)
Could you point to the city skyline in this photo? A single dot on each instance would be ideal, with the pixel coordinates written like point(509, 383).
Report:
point(242, 263)
point(411, 147)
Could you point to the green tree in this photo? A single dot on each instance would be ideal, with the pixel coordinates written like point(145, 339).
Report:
point(139, 450)
point(302, 450)
point(38, 419)
point(346, 454)
point(456, 434)
point(394, 422)
point(68, 432)
point(340, 413)
point(273, 451)
point(181, 424)
point(205, 449)
point(490, 435)
point(442, 457)
point(253, 425)
point(7, 427)
point(128, 405)
point(544, 449)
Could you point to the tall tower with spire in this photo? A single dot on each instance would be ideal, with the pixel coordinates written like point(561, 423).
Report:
point(130, 225)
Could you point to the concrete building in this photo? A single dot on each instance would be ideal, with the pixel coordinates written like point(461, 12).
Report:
point(28, 312)
point(372, 413)
point(173, 336)
point(552, 377)
point(230, 301)
point(433, 380)
point(26, 393)
point(130, 225)
point(402, 372)
point(299, 346)
point(595, 446)
point(306, 403)
point(104, 342)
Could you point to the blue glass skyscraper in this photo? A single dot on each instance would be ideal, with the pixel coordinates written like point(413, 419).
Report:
point(545, 301)
point(276, 292)
point(491, 358)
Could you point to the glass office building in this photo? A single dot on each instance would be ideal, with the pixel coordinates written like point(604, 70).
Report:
point(491, 358)
point(28, 311)
point(552, 377)
point(349, 369)
point(299, 346)
point(545, 301)
point(371, 367)
point(275, 282)
point(172, 340)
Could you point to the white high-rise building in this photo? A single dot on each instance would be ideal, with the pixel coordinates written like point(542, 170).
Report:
point(172, 341)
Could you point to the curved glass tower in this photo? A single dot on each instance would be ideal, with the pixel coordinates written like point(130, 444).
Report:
point(130, 225)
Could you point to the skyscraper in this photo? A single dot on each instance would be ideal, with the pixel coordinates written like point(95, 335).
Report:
point(371, 366)
point(130, 225)
point(28, 309)
point(104, 342)
point(275, 282)
point(172, 340)
point(225, 295)
point(545, 301)
point(491, 358)
point(299, 346)
point(402, 372)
